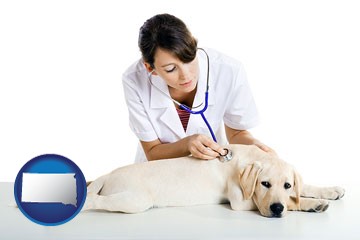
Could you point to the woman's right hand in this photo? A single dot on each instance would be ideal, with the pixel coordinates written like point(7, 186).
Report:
point(203, 147)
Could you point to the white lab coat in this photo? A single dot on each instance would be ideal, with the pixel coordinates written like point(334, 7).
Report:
point(153, 116)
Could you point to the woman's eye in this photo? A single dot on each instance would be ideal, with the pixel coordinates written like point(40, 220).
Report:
point(287, 185)
point(170, 70)
point(266, 184)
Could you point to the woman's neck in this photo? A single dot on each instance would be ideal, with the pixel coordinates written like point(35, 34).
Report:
point(186, 98)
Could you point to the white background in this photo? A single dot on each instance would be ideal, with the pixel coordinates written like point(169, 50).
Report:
point(61, 64)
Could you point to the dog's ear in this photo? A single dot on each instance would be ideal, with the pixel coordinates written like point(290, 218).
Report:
point(248, 177)
point(297, 187)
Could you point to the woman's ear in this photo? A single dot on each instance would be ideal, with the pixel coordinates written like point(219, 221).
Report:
point(149, 68)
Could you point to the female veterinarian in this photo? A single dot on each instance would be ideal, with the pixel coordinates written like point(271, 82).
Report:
point(183, 99)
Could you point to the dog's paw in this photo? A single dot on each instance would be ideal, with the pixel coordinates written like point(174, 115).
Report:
point(334, 193)
point(340, 192)
point(320, 206)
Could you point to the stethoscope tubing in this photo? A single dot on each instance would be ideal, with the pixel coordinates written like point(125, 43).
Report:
point(201, 112)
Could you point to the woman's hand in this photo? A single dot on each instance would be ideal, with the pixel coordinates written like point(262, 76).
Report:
point(203, 147)
point(264, 147)
point(244, 137)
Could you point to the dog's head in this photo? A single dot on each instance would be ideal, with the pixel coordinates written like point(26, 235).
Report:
point(272, 184)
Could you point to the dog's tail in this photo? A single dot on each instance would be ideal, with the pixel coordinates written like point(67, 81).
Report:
point(96, 186)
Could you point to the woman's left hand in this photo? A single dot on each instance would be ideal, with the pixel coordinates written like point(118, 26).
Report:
point(265, 148)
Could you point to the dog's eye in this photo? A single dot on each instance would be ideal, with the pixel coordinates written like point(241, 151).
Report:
point(287, 185)
point(266, 184)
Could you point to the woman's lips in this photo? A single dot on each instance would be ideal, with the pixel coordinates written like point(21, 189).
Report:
point(186, 84)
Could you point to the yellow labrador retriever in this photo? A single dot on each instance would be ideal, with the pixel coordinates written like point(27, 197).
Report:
point(252, 180)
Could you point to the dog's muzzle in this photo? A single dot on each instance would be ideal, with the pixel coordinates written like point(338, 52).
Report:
point(226, 157)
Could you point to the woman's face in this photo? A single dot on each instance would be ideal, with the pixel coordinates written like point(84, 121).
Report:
point(180, 76)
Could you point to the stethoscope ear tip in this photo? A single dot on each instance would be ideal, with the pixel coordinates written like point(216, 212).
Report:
point(227, 156)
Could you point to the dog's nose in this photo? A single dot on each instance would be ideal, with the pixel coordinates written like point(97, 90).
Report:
point(276, 209)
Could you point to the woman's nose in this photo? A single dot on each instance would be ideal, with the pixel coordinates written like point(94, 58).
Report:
point(184, 72)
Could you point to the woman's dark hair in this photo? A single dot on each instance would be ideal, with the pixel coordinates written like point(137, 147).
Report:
point(169, 33)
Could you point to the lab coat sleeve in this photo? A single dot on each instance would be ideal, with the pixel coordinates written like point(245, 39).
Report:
point(241, 112)
point(138, 118)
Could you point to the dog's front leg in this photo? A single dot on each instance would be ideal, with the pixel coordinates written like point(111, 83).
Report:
point(308, 205)
point(331, 193)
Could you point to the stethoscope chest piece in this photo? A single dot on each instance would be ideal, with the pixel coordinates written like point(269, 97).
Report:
point(227, 156)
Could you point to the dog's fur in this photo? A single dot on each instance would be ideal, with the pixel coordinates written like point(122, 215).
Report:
point(252, 180)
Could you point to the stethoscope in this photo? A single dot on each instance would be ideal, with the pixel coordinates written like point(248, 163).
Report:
point(228, 155)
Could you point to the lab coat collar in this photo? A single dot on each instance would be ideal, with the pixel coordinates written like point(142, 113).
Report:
point(158, 99)
point(171, 119)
